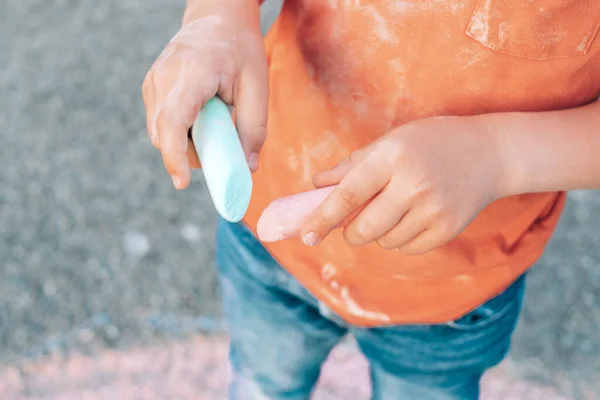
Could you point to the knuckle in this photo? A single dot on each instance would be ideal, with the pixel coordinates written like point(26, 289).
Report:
point(348, 198)
point(417, 246)
point(168, 162)
point(386, 243)
point(161, 120)
point(254, 130)
point(448, 227)
point(422, 189)
point(324, 218)
point(356, 235)
point(173, 158)
point(227, 73)
point(172, 118)
point(354, 157)
point(436, 209)
point(350, 236)
point(258, 132)
point(173, 147)
point(414, 249)
point(390, 150)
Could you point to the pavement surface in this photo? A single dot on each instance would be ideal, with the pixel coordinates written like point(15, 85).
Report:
point(99, 255)
point(195, 370)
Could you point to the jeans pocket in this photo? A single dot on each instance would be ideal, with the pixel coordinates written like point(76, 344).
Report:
point(501, 306)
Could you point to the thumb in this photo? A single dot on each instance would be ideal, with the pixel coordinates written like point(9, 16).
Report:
point(251, 102)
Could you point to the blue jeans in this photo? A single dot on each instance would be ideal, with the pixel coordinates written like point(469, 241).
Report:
point(280, 335)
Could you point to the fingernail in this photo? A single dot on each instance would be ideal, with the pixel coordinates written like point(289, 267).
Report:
point(253, 161)
point(310, 239)
point(176, 181)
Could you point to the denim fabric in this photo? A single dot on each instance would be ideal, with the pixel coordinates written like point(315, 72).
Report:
point(280, 335)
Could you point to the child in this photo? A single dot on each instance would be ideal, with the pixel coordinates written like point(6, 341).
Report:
point(453, 126)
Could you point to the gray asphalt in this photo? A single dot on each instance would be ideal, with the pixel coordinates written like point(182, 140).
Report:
point(96, 248)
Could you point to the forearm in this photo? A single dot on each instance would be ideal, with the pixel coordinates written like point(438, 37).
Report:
point(548, 151)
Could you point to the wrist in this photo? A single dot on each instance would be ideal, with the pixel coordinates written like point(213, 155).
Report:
point(503, 130)
point(242, 11)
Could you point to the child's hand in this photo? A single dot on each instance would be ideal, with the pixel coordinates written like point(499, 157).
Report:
point(423, 183)
point(218, 51)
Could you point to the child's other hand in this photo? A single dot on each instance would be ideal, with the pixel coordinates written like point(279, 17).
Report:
point(218, 51)
point(423, 183)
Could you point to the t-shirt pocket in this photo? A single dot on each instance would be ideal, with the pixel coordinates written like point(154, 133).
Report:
point(536, 29)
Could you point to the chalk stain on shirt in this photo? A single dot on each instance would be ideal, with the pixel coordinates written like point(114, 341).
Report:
point(583, 46)
point(360, 103)
point(328, 271)
point(397, 66)
point(381, 27)
point(324, 148)
point(551, 38)
point(480, 27)
point(352, 4)
point(398, 70)
point(293, 162)
point(463, 278)
point(355, 309)
point(472, 57)
point(307, 165)
point(503, 31)
point(329, 142)
point(433, 6)
point(454, 5)
point(390, 116)
point(403, 7)
point(345, 125)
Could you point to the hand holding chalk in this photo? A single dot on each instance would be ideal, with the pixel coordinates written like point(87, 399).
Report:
point(283, 218)
point(223, 161)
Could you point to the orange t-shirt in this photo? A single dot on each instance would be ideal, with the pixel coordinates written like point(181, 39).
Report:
point(345, 72)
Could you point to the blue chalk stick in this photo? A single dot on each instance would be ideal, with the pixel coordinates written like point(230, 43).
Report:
point(223, 161)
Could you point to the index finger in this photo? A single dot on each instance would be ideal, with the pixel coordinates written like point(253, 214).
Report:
point(182, 99)
point(361, 184)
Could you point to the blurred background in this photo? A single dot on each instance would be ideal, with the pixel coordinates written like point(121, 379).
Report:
point(107, 286)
